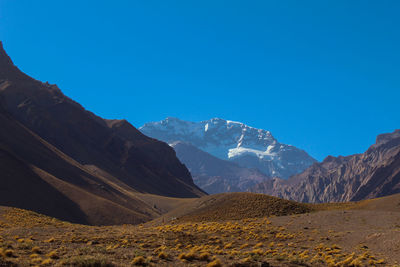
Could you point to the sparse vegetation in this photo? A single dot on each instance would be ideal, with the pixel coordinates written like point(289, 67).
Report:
point(88, 261)
point(28, 238)
point(139, 260)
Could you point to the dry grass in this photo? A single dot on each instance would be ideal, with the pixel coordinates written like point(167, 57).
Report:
point(27, 238)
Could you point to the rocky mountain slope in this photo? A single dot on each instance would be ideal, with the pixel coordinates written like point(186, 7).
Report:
point(374, 173)
point(215, 175)
point(247, 146)
point(61, 160)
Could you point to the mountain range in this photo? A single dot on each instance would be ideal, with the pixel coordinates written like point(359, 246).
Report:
point(61, 160)
point(374, 173)
point(255, 152)
point(227, 156)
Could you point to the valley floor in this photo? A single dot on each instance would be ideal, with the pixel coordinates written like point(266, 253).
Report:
point(361, 236)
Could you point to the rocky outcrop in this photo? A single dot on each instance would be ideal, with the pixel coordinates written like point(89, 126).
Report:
point(374, 173)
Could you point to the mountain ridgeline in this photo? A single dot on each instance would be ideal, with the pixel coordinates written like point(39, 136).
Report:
point(58, 159)
point(61, 160)
point(374, 173)
point(234, 142)
point(226, 156)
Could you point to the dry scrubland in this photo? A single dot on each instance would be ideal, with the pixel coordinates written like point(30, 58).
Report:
point(313, 235)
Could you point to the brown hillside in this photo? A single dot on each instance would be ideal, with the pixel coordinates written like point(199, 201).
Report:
point(61, 160)
point(37, 176)
point(235, 206)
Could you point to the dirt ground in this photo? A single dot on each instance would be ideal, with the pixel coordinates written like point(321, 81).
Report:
point(323, 238)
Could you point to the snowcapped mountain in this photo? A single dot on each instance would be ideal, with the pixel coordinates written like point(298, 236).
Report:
point(234, 141)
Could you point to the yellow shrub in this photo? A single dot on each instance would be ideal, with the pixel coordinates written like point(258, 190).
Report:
point(191, 255)
point(163, 255)
point(36, 260)
point(258, 245)
point(356, 263)
point(258, 251)
point(219, 252)
point(229, 245)
point(8, 253)
point(204, 256)
point(53, 255)
point(139, 260)
point(246, 260)
point(36, 250)
point(244, 246)
point(47, 262)
point(215, 263)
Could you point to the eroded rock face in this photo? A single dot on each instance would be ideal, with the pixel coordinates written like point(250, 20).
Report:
point(374, 173)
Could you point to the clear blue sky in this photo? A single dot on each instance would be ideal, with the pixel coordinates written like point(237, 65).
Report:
point(321, 75)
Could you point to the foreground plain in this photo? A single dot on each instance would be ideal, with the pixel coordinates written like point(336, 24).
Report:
point(352, 234)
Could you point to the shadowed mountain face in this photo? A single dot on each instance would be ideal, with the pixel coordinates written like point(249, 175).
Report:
point(375, 173)
point(215, 175)
point(85, 168)
point(234, 141)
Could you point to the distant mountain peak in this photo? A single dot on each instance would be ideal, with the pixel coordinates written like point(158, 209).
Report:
point(4, 58)
point(173, 119)
point(384, 138)
point(234, 141)
point(8, 71)
point(1, 47)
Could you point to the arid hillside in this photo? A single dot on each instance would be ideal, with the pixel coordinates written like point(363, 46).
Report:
point(234, 206)
point(63, 161)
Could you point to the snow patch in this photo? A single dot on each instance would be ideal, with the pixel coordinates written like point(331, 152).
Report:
point(240, 151)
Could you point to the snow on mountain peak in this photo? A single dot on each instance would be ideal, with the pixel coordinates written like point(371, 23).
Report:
point(231, 140)
point(215, 131)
